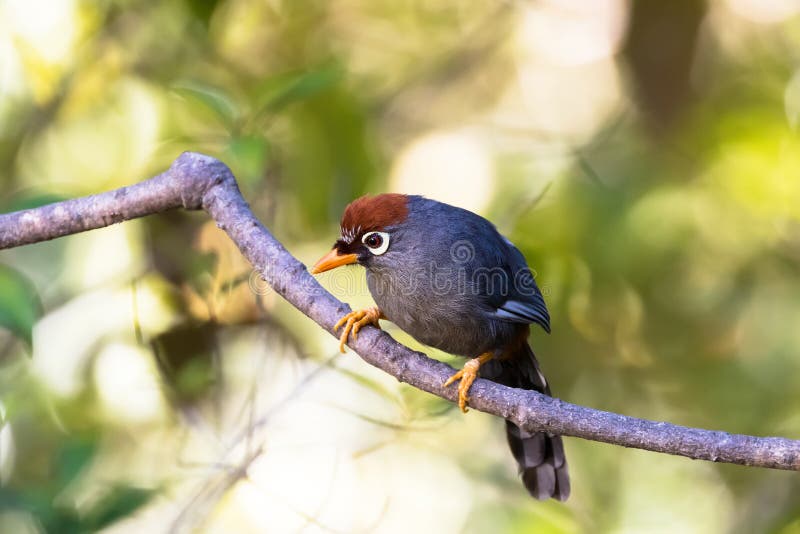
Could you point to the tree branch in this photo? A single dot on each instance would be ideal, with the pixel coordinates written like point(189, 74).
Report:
point(195, 181)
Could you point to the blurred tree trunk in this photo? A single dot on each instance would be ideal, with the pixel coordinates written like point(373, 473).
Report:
point(660, 48)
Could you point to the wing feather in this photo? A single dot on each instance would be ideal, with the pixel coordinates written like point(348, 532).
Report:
point(528, 312)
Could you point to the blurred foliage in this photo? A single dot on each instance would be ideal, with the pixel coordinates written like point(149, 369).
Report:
point(643, 155)
point(19, 303)
point(41, 496)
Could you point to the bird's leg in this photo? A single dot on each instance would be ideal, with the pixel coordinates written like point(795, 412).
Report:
point(354, 320)
point(467, 375)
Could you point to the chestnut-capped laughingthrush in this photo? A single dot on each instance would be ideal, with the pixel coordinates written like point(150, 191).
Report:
point(449, 279)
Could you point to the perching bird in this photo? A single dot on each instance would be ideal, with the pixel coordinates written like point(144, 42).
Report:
point(449, 279)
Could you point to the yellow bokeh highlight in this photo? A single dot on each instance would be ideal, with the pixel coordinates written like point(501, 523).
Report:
point(45, 34)
point(128, 384)
point(760, 174)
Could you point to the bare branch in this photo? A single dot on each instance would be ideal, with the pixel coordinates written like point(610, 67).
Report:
point(200, 182)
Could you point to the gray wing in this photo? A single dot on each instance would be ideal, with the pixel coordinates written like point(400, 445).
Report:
point(529, 311)
point(523, 302)
point(496, 271)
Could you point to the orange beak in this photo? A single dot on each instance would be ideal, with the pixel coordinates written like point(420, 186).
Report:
point(332, 260)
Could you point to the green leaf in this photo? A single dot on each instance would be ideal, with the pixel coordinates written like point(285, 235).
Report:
point(20, 306)
point(281, 91)
point(211, 98)
point(248, 156)
point(74, 456)
point(120, 503)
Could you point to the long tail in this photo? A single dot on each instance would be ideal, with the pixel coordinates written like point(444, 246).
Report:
point(540, 455)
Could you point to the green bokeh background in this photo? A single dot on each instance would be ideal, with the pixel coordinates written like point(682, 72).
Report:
point(644, 156)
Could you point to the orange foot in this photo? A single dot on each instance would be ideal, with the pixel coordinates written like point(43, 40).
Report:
point(353, 322)
point(467, 375)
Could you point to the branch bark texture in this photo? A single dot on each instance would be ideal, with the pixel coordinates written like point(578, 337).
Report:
point(195, 181)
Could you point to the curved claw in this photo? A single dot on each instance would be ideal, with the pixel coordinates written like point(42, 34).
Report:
point(467, 375)
point(353, 322)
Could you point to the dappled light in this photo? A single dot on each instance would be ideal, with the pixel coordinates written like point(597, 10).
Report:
point(644, 157)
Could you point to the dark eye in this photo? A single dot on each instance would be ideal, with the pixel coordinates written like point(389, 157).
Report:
point(377, 242)
point(374, 240)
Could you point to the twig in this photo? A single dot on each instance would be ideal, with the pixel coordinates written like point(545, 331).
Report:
point(196, 181)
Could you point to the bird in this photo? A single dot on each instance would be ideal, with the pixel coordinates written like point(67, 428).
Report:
point(447, 277)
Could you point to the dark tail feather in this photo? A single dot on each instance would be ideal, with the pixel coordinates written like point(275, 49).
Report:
point(540, 455)
point(541, 461)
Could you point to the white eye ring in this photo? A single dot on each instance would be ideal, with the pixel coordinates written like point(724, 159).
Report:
point(383, 242)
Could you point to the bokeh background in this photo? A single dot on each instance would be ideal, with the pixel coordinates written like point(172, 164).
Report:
point(643, 155)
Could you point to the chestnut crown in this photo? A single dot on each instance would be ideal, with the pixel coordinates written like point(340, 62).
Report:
point(370, 214)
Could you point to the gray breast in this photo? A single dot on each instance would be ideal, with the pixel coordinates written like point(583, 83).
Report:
point(436, 312)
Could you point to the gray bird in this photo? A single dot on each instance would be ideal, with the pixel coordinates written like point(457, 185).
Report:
point(449, 279)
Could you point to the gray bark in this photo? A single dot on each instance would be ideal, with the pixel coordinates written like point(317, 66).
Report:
point(195, 181)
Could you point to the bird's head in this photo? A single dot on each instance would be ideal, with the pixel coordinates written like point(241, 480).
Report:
point(366, 231)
